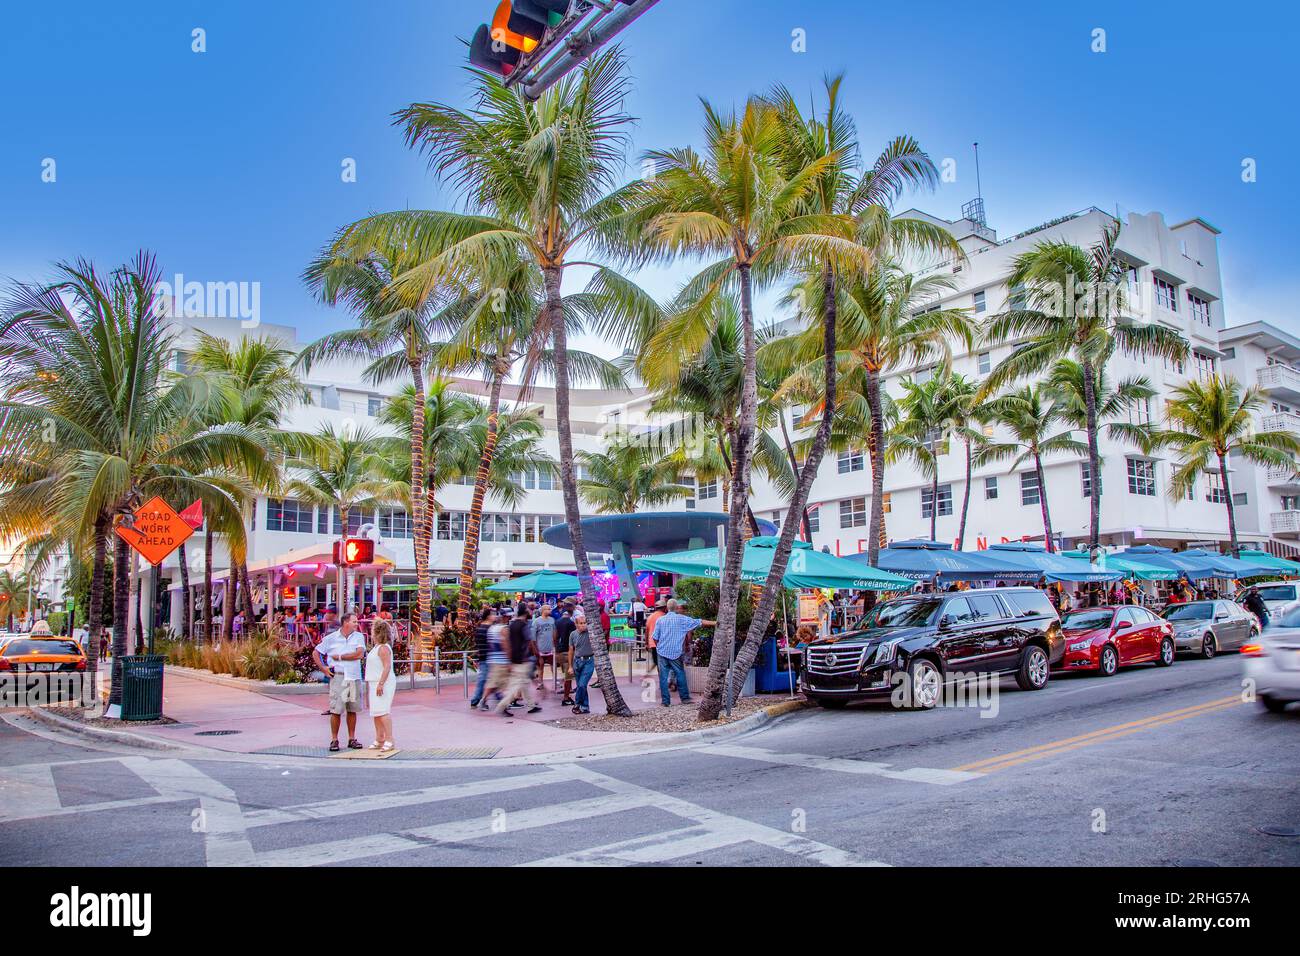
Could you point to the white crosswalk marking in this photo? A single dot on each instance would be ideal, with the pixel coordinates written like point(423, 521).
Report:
point(655, 848)
point(28, 791)
point(933, 775)
point(224, 835)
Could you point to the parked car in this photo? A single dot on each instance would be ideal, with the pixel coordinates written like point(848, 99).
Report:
point(41, 654)
point(921, 640)
point(1281, 597)
point(1104, 639)
point(1272, 661)
point(1208, 627)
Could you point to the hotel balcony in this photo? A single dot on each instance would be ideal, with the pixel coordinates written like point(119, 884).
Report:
point(1280, 422)
point(1280, 381)
point(1285, 480)
point(1285, 524)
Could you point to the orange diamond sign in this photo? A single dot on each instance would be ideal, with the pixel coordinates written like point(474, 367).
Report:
point(157, 531)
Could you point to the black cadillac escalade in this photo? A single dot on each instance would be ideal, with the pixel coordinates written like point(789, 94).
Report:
point(913, 645)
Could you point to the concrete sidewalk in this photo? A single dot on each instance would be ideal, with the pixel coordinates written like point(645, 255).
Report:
point(422, 720)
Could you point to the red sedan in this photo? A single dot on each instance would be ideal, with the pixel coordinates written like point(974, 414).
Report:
point(1104, 639)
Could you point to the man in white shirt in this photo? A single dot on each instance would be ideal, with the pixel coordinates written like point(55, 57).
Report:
point(339, 654)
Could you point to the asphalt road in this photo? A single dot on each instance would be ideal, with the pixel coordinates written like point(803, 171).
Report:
point(1153, 767)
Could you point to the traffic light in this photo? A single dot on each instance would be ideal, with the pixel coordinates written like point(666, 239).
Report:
point(517, 27)
point(355, 551)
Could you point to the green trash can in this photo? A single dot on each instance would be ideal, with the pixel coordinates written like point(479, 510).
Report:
point(142, 686)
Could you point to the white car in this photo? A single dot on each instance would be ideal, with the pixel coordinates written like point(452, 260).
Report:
point(1272, 661)
point(1280, 597)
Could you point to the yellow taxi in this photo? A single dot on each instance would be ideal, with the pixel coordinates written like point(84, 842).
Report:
point(40, 653)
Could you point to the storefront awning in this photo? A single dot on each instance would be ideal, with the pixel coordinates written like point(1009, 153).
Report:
point(808, 568)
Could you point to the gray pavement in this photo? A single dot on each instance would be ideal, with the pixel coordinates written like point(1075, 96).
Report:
point(1153, 767)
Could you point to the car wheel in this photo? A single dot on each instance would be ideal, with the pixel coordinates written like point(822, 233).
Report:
point(1166, 658)
point(1208, 650)
point(924, 684)
point(1272, 704)
point(1034, 669)
point(1109, 662)
point(832, 704)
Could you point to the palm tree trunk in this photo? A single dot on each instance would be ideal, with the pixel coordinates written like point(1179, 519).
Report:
point(724, 635)
point(247, 592)
point(965, 502)
point(1048, 538)
point(614, 703)
point(1227, 502)
point(774, 585)
point(344, 588)
point(207, 586)
point(473, 522)
point(876, 449)
point(1094, 457)
point(423, 584)
point(121, 608)
point(228, 601)
point(95, 612)
point(182, 563)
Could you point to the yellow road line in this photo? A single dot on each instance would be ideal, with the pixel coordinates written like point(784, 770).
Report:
point(1095, 736)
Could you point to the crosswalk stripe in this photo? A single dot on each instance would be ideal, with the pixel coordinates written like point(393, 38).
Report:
point(346, 806)
point(932, 775)
point(225, 839)
point(655, 848)
point(456, 831)
point(28, 791)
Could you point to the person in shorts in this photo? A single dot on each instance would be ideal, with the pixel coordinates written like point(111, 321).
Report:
point(339, 654)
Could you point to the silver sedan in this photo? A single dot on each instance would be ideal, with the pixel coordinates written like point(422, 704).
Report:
point(1208, 627)
point(1272, 663)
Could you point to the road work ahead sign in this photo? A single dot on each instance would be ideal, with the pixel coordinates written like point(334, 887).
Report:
point(157, 531)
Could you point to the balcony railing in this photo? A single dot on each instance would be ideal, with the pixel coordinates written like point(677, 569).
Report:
point(1279, 378)
point(1280, 422)
point(1284, 474)
point(1285, 522)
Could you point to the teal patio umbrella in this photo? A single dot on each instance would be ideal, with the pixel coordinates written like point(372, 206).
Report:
point(808, 568)
point(1270, 561)
point(540, 582)
point(1132, 567)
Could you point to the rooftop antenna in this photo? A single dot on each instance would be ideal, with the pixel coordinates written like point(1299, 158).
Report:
point(974, 210)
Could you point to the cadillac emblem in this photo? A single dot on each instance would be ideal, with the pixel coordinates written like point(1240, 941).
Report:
point(830, 660)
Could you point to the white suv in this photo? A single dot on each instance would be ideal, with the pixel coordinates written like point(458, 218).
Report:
point(1272, 661)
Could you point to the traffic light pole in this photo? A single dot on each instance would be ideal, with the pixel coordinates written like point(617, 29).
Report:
point(616, 18)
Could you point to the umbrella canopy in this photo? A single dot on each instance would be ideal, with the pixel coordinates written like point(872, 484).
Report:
point(540, 582)
point(924, 560)
point(1275, 564)
point(1194, 568)
point(1240, 569)
point(1131, 567)
point(808, 568)
point(1054, 566)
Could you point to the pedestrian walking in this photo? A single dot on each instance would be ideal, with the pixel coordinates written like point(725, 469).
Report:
point(564, 628)
point(544, 639)
point(339, 654)
point(521, 665)
point(498, 656)
point(382, 681)
point(671, 634)
point(487, 617)
point(1256, 606)
point(582, 664)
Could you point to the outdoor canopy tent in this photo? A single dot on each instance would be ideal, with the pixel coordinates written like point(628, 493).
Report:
point(1132, 567)
point(924, 560)
point(1241, 569)
point(1194, 567)
point(808, 568)
point(540, 582)
point(1055, 567)
point(1272, 562)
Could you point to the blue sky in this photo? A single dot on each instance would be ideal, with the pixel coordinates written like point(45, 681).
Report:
point(227, 163)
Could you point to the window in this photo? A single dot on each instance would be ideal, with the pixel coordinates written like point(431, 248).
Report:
point(886, 503)
point(814, 519)
point(979, 302)
point(288, 515)
point(1200, 308)
point(990, 488)
point(395, 523)
point(373, 405)
point(945, 501)
point(1085, 478)
point(1214, 492)
point(1018, 298)
point(853, 513)
point(327, 521)
point(689, 484)
point(985, 607)
point(776, 519)
point(1141, 477)
point(985, 363)
point(959, 610)
point(507, 528)
point(1173, 365)
point(1139, 412)
point(540, 479)
point(1230, 352)
point(356, 518)
point(1030, 493)
point(1029, 603)
point(709, 489)
point(1166, 294)
point(851, 461)
point(451, 525)
point(1240, 498)
point(1205, 365)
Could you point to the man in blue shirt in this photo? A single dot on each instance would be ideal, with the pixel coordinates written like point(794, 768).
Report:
point(671, 633)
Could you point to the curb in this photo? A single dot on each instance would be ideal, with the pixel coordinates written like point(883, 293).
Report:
point(122, 738)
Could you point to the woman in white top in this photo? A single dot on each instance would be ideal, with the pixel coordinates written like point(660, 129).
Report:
point(383, 684)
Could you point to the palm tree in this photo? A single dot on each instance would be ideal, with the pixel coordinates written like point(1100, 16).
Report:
point(92, 409)
point(1117, 405)
point(14, 591)
point(1069, 302)
point(1030, 414)
point(626, 476)
point(1210, 421)
point(342, 472)
point(535, 174)
point(927, 414)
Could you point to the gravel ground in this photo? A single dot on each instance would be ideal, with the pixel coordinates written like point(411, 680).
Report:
point(112, 723)
point(663, 720)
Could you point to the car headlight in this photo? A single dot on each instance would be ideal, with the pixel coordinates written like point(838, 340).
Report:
point(1081, 645)
point(886, 651)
